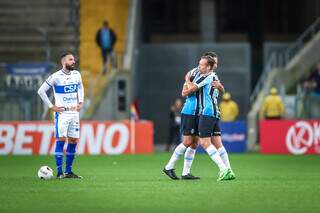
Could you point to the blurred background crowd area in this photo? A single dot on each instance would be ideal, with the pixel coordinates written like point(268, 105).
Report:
point(264, 47)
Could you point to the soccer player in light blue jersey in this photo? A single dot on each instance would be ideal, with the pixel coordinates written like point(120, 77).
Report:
point(209, 129)
point(189, 130)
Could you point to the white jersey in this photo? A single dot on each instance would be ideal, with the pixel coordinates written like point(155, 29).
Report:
point(67, 88)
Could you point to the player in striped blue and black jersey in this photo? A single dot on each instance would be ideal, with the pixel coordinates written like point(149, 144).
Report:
point(197, 101)
point(209, 129)
point(189, 130)
point(189, 126)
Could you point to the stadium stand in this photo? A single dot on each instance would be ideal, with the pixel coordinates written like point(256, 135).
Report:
point(285, 71)
point(31, 32)
point(37, 30)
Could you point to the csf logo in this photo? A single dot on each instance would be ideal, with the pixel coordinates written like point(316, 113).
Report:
point(71, 88)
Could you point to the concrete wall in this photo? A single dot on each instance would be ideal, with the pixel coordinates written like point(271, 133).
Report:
point(160, 76)
point(270, 47)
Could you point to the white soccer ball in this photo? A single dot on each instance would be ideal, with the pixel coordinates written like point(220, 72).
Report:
point(45, 172)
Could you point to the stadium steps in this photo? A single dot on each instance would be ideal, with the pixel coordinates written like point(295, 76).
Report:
point(300, 65)
point(34, 3)
point(22, 24)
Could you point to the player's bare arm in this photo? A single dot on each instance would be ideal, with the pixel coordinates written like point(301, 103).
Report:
point(184, 89)
point(189, 88)
point(79, 106)
point(218, 85)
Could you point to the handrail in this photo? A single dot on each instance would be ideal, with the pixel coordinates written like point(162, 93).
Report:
point(302, 39)
point(276, 59)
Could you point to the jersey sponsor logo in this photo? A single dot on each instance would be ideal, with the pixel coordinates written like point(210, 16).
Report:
point(70, 99)
point(72, 88)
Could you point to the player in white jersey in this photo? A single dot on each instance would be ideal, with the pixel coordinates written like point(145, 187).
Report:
point(68, 94)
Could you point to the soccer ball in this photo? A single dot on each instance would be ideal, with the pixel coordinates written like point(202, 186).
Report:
point(45, 172)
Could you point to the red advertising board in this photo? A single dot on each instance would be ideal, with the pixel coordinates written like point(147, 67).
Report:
point(32, 138)
point(290, 137)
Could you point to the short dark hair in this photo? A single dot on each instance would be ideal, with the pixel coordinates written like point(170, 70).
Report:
point(212, 54)
point(64, 54)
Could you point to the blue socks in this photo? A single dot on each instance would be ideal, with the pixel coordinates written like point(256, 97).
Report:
point(71, 150)
point(59, 155)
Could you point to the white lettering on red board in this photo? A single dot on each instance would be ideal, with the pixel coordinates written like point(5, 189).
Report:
point(302, 136)
point(19, 139)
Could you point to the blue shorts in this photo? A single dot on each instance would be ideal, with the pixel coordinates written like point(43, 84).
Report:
point(189, 124)
point(208, 126)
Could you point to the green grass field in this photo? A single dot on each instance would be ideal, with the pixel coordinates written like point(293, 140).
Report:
point(134, 183)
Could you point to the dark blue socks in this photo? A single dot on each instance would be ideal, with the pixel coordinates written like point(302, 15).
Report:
point(71, 151)
point(59, 155)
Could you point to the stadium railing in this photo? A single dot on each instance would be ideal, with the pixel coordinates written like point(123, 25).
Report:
point(277, 59)
point(302, 40)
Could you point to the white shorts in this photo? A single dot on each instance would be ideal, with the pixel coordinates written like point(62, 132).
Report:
point(67, 125)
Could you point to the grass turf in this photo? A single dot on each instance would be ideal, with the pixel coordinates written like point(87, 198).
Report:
point(135, 183)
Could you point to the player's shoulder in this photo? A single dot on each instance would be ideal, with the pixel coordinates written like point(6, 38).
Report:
point(75, 73)
point(209, 76)
point(194, 71)
point(215, 76)
point(56, 74)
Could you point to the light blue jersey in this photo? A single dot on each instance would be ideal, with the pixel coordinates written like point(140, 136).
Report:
point(191, 103)
point(208, 97)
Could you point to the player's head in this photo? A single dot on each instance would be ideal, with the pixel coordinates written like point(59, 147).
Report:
point(215, 56)
point(206, 64)
point(67, 61)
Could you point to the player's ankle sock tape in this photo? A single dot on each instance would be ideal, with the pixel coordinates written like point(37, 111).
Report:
point(71, 150)
point(59, 155)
